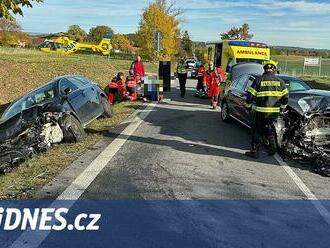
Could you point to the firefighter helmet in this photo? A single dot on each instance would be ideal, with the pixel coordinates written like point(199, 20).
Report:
point(270, 65)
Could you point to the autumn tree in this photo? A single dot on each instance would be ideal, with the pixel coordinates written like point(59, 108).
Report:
point(120, 42)
point(8, 29)
point(132, 38)
point(186, 44)
point(240, 33)
point(9, 7)
point(157, 18)
point(11, 34)
point(96, 34)
point(75, 32)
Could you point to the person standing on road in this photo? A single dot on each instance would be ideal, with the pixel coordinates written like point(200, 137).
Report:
point(215, 77)
point(200, 81)
point(271, 96)
point(182, 72)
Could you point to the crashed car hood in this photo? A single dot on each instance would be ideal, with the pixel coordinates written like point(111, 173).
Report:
point(15, 124)
point(311, 101)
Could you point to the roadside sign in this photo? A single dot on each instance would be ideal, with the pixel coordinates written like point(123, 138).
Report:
point(312, 61)
point(158, 41)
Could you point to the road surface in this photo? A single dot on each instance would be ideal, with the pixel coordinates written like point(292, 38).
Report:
point(181, 150)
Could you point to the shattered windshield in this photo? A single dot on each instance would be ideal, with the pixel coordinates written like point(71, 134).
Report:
point(311, 104)
point(39, 96)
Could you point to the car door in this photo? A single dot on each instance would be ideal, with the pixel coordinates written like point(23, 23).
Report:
point(228, 97)
point(94, 106)
point(76, 98)
point(239, 97)
point(247, 114)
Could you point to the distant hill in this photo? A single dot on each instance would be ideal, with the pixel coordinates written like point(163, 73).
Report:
point(288, 50)
point(302, 49)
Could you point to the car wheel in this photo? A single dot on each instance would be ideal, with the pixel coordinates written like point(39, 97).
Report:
point(108, 111)
point(74, 130)
point(225, 112)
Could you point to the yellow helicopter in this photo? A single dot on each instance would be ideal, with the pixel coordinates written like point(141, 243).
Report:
point(64, 44)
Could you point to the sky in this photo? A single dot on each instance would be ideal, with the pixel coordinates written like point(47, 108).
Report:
point(303, 23)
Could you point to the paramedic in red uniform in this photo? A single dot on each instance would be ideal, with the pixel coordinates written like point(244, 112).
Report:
point(200, 84)
point(216, 77)
point(131, 84)
point(117, 88)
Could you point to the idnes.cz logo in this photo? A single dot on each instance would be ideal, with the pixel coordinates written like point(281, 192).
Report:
point(46, 219)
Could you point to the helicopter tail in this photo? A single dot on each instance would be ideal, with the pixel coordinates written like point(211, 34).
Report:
point(105, 44)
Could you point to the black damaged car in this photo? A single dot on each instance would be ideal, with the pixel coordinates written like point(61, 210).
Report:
point(55, 112)
point(303, 129)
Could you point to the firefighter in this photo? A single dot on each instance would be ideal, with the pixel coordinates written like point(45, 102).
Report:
point(200, 83)
point(182, 72)
point(271, 96)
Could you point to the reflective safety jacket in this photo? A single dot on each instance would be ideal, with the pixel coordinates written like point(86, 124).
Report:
point(201, 71)
point(270, 95)
point(182, 68)
point(131, 82)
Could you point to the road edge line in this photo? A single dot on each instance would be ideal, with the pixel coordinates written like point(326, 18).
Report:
point(73, 192)
point(303, 187)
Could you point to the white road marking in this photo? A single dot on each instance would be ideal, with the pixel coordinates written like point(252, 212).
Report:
point(78, 187)
point(32, 239)
point(307, 192)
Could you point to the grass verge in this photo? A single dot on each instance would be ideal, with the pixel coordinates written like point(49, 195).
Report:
point(24, 181)
point(22, 70)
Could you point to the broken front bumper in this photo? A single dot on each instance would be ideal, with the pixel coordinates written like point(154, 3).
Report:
point(36, 137)
point(306, 137)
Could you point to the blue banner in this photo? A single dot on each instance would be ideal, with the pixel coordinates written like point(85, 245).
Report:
point(167, 224)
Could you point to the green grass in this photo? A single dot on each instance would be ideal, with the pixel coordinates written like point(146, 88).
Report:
point(293, 65)
point(25, 180)
point(21, 71)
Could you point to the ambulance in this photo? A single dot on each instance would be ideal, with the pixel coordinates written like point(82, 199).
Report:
point(228, 53)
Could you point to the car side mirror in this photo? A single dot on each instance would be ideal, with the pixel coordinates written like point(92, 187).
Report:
point(67, 91)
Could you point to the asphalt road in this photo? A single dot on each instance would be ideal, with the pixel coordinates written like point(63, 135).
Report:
point(183, 150)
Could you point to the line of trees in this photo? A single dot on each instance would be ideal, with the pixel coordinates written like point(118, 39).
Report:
point(11, 34)
point(160, 15)
point(300, 52)
point(96, 34)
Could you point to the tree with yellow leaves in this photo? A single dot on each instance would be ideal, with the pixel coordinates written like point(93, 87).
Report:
point(157, 18)
point(120, 42)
